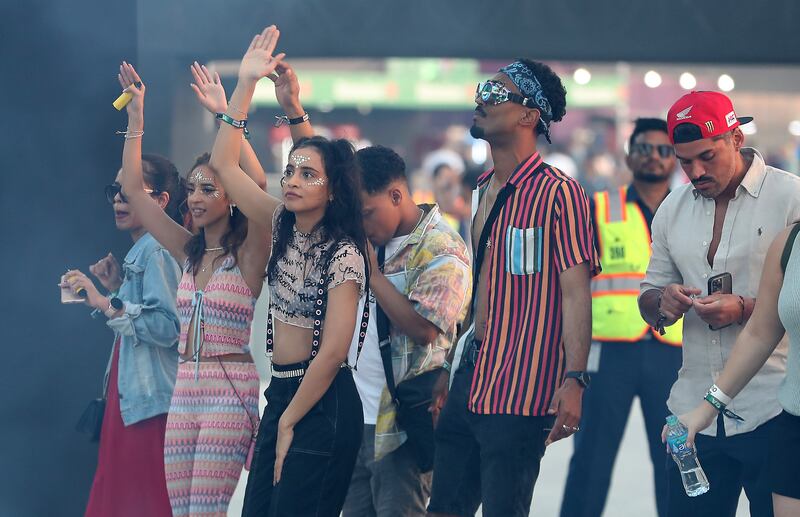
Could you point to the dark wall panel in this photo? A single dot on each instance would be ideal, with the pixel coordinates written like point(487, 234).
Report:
point(57, 149)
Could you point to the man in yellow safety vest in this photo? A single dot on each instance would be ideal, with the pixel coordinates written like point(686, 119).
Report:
point(628, 358)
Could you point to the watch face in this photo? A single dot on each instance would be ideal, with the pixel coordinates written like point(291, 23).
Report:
point(117, 303)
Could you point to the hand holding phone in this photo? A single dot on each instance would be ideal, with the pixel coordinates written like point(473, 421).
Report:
point(69, 294)
point(717, 312)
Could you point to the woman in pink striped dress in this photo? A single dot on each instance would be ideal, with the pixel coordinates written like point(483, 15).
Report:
point(213, 416)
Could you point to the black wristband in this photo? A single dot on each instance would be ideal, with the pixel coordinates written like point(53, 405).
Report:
point(279, 121)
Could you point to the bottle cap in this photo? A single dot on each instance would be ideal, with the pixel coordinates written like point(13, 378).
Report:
point(672, 420)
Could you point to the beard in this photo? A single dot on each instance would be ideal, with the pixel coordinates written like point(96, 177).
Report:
point(476, 131)
point(650, 177)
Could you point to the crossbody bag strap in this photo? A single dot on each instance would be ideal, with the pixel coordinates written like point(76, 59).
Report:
point(241, 401)
point(480, 250)
point(384, 338)
point(787, 248)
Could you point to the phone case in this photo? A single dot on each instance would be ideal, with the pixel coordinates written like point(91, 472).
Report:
point(68, 295)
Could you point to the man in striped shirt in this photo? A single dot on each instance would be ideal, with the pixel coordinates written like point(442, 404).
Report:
point(523, 358)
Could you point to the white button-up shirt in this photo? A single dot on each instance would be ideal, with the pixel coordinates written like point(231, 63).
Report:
point(766, 202)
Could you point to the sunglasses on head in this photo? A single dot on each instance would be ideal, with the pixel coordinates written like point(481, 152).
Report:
point(664, 150)
point(495, 92)
point(115, 188)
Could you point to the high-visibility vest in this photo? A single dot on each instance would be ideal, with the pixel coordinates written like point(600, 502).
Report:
point(624, 240)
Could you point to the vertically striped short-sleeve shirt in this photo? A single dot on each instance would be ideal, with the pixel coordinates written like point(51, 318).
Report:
point(543, 229)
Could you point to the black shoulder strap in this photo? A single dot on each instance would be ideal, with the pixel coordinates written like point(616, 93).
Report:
point(480, 249)
point(384, 338)
point(787, 248)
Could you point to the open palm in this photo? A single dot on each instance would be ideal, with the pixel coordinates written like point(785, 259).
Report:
point(208, 89)
point(258, 61)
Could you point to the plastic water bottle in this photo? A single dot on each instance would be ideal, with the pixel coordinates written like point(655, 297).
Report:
point(694, 479)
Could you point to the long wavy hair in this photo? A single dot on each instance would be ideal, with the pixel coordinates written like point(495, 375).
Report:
point(343, 218)
point(231, 240)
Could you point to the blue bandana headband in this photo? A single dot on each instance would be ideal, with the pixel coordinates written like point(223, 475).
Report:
point(529, 86)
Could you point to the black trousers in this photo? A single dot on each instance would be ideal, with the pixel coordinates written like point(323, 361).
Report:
point(730, 463)
point(320, 462)
point(491, 460)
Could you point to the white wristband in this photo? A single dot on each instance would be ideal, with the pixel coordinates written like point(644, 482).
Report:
point(719, 394)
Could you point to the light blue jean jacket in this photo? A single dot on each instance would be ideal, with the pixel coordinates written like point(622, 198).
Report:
point(149, 331)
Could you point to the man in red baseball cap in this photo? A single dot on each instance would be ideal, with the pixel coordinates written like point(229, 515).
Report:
point(709, 242)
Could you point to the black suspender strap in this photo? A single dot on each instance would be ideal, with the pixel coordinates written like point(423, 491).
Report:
point(320, 307)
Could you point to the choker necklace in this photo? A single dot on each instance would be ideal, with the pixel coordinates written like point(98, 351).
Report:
point(215, 249)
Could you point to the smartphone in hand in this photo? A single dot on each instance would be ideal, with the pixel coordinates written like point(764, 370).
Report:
point(722, 284)
point(68, 294)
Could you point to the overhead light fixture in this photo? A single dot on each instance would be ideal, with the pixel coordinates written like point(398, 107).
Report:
point(582, 76)
point(687, 81)
point(726, 83)
point(652, 79)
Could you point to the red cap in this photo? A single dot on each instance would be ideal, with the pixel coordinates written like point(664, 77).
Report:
point(711, 112)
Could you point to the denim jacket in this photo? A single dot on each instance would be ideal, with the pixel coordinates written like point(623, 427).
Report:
point(149, 329)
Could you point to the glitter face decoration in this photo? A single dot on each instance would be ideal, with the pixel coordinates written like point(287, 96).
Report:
point(200, 176)
point(299, 159)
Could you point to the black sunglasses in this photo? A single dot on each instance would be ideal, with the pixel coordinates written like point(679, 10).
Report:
point(115, 188)
point(664, 150)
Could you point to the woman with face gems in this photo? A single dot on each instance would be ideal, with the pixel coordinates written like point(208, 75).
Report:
point(140, 309)
point(213, 415)
point(311, 429)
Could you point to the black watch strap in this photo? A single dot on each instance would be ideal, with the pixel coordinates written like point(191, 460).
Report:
point(583, 378)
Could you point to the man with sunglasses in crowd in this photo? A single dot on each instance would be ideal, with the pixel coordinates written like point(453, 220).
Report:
point(628, 359)
point(521, 365)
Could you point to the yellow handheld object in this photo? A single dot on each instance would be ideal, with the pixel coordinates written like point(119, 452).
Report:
point(122, 100)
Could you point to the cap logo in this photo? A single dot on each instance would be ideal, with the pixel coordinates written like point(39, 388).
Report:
point(684, 114)
point(710, 126)
point(730, 119)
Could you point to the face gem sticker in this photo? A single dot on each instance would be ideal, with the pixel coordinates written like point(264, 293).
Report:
point(300, 159)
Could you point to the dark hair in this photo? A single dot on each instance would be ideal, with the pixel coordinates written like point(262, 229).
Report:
point(231, 240)
point(643, 125)
point(380, 166)
point(161, 175)
point(553, 89)
point(342, 220)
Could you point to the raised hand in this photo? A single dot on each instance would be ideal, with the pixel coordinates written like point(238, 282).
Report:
point(287, 88)
point(258, 61)
point(208, 89)
point(132, 83)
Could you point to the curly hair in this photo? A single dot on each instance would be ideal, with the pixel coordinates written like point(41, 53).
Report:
point(231, 240)
point(553, 89)
point(342, 219)
point(380, 166)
